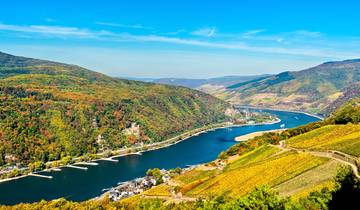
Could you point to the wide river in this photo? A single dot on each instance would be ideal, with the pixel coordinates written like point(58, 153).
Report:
point(77, 185)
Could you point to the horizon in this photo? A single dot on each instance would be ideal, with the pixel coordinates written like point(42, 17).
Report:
point(161, 40)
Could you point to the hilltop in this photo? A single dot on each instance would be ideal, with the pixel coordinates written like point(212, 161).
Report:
point(53, 111)
point(315, 89)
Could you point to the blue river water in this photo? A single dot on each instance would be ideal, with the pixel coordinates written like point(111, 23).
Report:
point(78, 185)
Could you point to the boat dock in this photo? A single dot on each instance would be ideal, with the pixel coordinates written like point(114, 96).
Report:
point(110, 159)
point(77, 167)
point(41, 176)
point(87, 163)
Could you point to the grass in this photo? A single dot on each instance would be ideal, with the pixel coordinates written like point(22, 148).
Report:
point(344, 138)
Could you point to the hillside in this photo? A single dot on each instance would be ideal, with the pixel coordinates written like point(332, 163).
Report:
point(203, 84)
point(51, 111)
point(348, 93)
point(312, 90)
point(294, 162)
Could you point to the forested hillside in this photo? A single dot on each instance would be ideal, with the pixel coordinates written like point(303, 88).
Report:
point(315, 89)
point(49, 111)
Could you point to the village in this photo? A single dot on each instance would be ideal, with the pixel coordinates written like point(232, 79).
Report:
point(153, 177)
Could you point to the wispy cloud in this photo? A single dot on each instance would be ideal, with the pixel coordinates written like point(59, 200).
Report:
point(270, 44)
point(176, 32)
point(253, 32)
point(135, 26)
point(50, 30)
point(307, 33)
point(206, 32)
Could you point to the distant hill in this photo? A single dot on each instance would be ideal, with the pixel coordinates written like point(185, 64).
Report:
point(52, 110)
point(311, 90)
point(201, 83)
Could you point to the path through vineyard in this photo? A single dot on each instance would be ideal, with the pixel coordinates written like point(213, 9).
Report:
point(333, 154)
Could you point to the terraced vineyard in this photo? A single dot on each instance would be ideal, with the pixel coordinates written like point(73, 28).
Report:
point(343, 138)
point(312, 180)
point(269, 171)
point(266, 165)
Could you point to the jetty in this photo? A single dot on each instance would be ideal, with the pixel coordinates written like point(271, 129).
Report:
point(41, 176)
point(87, 163)
point(77, 167)
point(110, 159)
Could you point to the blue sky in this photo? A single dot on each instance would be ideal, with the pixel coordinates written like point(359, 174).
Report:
point(187, 38)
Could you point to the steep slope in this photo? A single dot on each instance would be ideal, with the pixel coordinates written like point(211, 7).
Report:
point(49, 111)
point(348, 93)
point(310, 90)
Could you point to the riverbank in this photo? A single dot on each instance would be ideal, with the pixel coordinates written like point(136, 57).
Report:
point(203, 165)
point(128, 151)
point(138, 150)
point(255, 134)
point(283, 110)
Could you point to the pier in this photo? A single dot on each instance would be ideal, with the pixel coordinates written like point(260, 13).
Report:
point(110, 159)
point(87, 163)
point(77, 167)
point(41, 176)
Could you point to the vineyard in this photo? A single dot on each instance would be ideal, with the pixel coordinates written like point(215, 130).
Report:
point(194, 175)
point(270, 171)
point(309, 181)
point(265, 165)
point(254, 156)
point(344, 138)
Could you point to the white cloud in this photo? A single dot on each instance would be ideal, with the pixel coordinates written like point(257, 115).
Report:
point(268, 44)
point(136, 26)
point(297, 51)
point(307, 33)
point(176, 32)
point(49, 30)
point(156, 63)
point(253, 32)
point(206, 31)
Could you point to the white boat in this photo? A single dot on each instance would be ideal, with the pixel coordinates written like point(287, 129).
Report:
point(282, 126)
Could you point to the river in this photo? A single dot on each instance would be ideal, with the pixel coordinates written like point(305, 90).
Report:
point(78, 185)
